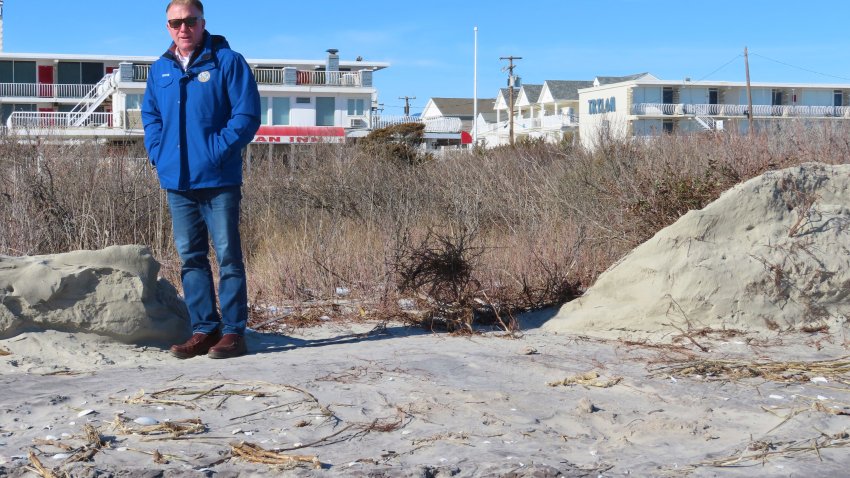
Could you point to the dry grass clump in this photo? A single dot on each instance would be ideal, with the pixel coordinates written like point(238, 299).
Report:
point(837, 370)
point(471, 237)
point(94, 442)
point(759, 452)
point(257, 454)
point(170, 429)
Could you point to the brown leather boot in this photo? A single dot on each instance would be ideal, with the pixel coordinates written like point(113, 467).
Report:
point(199, 344)
point(230, 345)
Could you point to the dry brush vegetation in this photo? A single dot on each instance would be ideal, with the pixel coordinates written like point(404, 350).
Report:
point(466, 237)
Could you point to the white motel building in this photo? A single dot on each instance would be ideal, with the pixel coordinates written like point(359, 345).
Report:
point(96, 96)
point(642, 106)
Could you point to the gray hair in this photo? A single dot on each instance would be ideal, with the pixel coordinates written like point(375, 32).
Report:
point(190, 3)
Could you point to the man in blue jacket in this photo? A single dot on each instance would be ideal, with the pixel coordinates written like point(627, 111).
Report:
point(201, 108)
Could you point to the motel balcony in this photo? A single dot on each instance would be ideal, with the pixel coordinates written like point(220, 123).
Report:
point(288, 76)
point(723, 110)
point(55, 120)
point(432, 125)
point(35, 92)
point(544, 123)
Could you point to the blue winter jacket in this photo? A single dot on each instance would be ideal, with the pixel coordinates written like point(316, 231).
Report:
point(197, 122)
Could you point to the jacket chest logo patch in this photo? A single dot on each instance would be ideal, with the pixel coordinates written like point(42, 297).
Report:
point(204, 76)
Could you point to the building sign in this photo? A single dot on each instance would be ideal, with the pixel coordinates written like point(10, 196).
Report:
point(299, 134)
point(599, 106)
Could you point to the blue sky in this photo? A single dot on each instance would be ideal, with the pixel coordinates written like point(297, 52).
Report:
point(430, 44)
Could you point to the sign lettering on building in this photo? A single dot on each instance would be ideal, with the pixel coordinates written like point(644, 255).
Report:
point(602, 105)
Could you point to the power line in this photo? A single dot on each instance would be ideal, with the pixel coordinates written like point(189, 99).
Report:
point(801, 68)
point(720, 68)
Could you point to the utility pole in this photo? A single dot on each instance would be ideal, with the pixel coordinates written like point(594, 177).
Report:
point(511, 82)
point(749, 94)
point(407, 103)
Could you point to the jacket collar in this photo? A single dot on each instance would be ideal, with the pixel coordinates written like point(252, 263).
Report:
point(200, 57)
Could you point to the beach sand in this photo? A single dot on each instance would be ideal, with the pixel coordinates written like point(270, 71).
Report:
point(407, 402)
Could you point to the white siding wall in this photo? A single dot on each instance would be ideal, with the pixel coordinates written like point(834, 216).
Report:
point(302, 114)
point(431, 110)
point(590, 126)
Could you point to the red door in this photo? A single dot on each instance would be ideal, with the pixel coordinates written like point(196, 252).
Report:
point(45, 81)
point(46, 118)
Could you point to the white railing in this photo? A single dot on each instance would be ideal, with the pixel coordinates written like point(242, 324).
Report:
point(559, 121)
point(328, 78)
point(530, 123)
point(268, 76)
point(653, 109)
point(432, 125)
point(44, 90)
point(140, 72)
point(740, 110)
point(443, 125)
point(50, 120)
point(102, 90)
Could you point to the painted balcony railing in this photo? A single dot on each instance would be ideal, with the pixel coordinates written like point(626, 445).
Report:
point(328, 78)
point(44, 90)
point(140, 72)
point(433, 125)
point(279, 76)
point(49, 120)
point(268, 76)
point(740, 110)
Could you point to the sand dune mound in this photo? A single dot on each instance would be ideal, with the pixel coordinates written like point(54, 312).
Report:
point(770, 254)
point(113, 292)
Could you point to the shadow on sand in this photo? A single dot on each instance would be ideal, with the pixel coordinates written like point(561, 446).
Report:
point(261, 343)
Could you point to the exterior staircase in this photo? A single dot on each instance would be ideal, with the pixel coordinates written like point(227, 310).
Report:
point(706, 122)
point(94, 98)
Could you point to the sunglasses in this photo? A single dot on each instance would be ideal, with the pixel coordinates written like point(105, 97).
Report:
point(179, 22)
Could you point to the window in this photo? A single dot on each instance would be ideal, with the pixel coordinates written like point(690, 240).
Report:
point(837, 98)
point(355, 107)
point(264, 110)
point(79, 73)
point(280, 111)
point(133, 102)
point(302, 100)
point(7, 109)
point(667, 126)
point(17, 72)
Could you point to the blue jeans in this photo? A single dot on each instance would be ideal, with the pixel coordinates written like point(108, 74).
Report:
point(197, 216)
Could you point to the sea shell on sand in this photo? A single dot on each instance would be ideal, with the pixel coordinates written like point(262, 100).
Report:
point(146, 421)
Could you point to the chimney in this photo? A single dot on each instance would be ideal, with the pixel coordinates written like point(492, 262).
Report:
point(333, 60)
